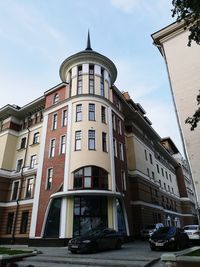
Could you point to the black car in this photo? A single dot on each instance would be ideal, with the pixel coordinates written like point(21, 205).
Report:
point(96, 240)
point(169, 238)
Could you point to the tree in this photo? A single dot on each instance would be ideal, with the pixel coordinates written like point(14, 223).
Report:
point(193, 121)
point(189, 11)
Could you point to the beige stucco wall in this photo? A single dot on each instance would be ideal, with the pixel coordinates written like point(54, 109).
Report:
point(184, 70)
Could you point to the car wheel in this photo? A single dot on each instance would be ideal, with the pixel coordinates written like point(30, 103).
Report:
point(118, 244)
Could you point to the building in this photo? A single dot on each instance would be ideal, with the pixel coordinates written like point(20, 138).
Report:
point(183, 66)
point(84, 155)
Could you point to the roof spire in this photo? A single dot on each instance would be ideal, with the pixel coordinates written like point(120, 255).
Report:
point(88, 42)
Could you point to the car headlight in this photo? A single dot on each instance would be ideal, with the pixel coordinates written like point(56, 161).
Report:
point(172, 239)
point(86, 241)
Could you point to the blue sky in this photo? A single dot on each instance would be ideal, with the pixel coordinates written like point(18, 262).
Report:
point(36, 36)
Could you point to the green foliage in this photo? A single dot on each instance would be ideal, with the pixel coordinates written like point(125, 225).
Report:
point(9, 251)
point(193, 121)
point(194, 253)
point(189, 11)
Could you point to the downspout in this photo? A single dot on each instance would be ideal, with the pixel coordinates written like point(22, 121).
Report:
point(21, 182)
point(161, 48)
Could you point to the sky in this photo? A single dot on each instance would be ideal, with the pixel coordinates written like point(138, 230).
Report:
point(37, 36)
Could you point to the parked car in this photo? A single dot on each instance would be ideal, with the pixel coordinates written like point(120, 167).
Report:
point(96, 240)
point(169, 238)
point(193, 231)
point(149, 229)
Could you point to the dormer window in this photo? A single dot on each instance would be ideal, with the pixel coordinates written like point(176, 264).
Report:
point(55, 98)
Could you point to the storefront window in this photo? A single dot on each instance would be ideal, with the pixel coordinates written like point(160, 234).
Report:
point(120, 217)
point(89, 213)
point(53, 220)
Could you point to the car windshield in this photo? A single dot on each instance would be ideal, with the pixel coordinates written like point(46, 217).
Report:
point(166, 230)
point(191, 227)
point(92, 232)
point(150, 226)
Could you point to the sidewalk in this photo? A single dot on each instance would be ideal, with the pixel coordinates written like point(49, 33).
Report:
point(132, 254)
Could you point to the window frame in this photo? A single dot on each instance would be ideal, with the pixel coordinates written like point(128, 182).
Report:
point(26, 194)
point(121, 151)
point(23, 143)
point(36, 138)
point(9, 224)
point(13, 190)
point(62, 144)
point(54, 121)
point(91, 140)
point(103, 114)
point(102, 86)
point(104, 142)
point(24, 222)
point(19, 166)
point(52, 148)
point(64, 117)
point(91, 112)
point(78, 140)
point(91, 79)
point(55, 98)
point(33, 159)
point(115, 150)
point(79, 112)
point(49, 178)
point(79, 80)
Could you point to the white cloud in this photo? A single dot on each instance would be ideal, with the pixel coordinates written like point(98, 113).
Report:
point(125, 5)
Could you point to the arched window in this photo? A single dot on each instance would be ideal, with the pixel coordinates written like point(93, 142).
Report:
point(55, 98)
point(90, 177)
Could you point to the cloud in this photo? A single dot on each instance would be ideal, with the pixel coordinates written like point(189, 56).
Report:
point(125, 5)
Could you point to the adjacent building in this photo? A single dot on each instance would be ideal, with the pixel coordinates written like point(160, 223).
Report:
point(85, 155)
point(183, 67)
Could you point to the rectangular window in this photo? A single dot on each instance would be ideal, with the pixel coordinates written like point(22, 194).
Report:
point(148, 171)
point(49, 178)
point(153, 176)
point(24, 222)
point(32, 161)
point(165, 186)
point(36, 138)
point(113, 122)
point(80, 82)
point(54, 121)
point(52, 148)
point(168, 188)
point(104, 142)
point(102, 83)
point(115, 147)
point(9, 225)
point(19, 165)
point(64, 118)
point(29, 188)
point(15, 190)
point(162, 172)
point(150, 158)
point(160, 183)
point(119, 124)
point(79, 112)
point(121, 151)
point(123, 179)
point(91, 114)
point(91, 140)
point(170, 178)
point(166, 175)
point(172, 190)
point(158, 170)
point(62, 144)
point(23, 143)
point(91, 79)
point(103, 114)
point(145, 152)
point(78, 135)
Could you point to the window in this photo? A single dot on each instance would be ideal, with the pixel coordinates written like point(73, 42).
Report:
point(115, 147)
point(24, 222)
point(170, 178)
point(91, 114)
point(103, 114)
point(148, 171)
point(90, 177)
point(36, 138)
point(79, 112)
point(145, 152)
point(54, 122)
point(150, 158)
point(123, 179)
point(55, 98)
point(168, 188)
point(162, 172)
point(52, 148)
point(172, 190)
point(158, 170)
point(104, 142)
point(160, 183)
point(165, 186)
point(49, 178)
point(113, 122)
point(15, 189)
point(121, 151)
point(166, 175)
point(78, 136)
point(19, 165)
point(62, 144)
point(153, 176)
point(91, 140)
point(79, 87)
point(9, 225)
point(119, 124)
point(64, 117)
point(118, 104)
point(29, 188)
point(32, 161)
point(91, 79)
point(102, 82)
point(23, 143)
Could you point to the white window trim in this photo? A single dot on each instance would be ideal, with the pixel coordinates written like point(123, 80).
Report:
point(60, 147)
point(13, 189)
point(26, 184)
point(47, 178)
point(50, 148)
point(52, 124)
point(121, 147)
point(31, 161)
point(62, 120)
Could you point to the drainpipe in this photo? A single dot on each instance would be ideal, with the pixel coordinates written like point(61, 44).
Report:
point(21, 182)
